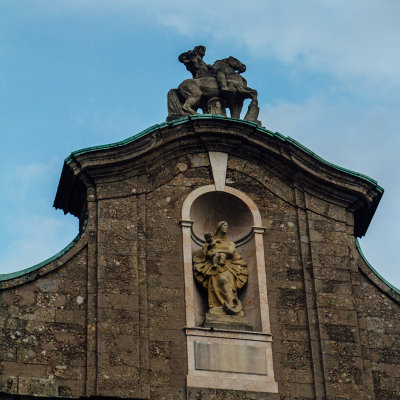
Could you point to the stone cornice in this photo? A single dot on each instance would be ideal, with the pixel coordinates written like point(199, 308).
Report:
point(359, 193)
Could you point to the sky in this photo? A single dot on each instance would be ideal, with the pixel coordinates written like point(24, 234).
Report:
point(75, 74)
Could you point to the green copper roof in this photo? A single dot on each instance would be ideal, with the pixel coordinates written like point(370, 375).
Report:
point(348, 171)
point(184, 120)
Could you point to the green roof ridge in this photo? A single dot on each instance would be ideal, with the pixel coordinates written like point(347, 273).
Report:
point(348, 171)
point(259, 128)
point(394, 288)
point(116, 144)
point(17, 274)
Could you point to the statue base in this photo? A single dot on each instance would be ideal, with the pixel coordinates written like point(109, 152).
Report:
point(173, 117)
point(217, 318)
point(252, 113)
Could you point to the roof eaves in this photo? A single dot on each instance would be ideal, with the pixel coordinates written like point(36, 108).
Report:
point(258, 128)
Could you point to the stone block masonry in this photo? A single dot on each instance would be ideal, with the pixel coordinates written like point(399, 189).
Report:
point(107, 317)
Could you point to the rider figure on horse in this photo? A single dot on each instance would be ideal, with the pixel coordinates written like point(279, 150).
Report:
point(221, 69)
point(193, 60)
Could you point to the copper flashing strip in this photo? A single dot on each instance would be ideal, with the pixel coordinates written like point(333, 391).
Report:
point(258, 128)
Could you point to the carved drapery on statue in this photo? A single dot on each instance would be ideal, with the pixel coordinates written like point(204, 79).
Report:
point(214, 88)
point(220, 269)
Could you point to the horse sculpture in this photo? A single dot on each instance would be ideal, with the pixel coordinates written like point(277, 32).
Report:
point(213, 90)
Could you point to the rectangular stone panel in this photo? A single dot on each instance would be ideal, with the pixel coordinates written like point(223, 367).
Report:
point(230, 358)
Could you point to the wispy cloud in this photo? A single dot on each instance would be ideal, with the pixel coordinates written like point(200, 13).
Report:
point(363, 139)
point(335, 129)
point(357, 39)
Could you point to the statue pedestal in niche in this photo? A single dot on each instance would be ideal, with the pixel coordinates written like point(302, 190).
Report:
point(218, 318)
point(221, 270)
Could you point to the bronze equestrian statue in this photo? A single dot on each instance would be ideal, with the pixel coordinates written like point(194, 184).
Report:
point(213, 89)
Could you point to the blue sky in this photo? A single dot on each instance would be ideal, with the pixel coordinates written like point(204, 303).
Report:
point(81, 73)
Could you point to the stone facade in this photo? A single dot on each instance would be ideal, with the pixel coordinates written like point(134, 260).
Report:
point(107, 317)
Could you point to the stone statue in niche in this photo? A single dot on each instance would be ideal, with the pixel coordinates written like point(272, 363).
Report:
point(221, 270)
point(214, 88)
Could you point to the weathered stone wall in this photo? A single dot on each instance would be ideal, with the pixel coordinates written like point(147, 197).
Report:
point(379, 327)
point(43, 332)
point(110, 319)
point(142, 314)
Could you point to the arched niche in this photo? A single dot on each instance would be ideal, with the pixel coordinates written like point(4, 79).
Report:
point(212, 207)
point(210, 349)
point(201, 212)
